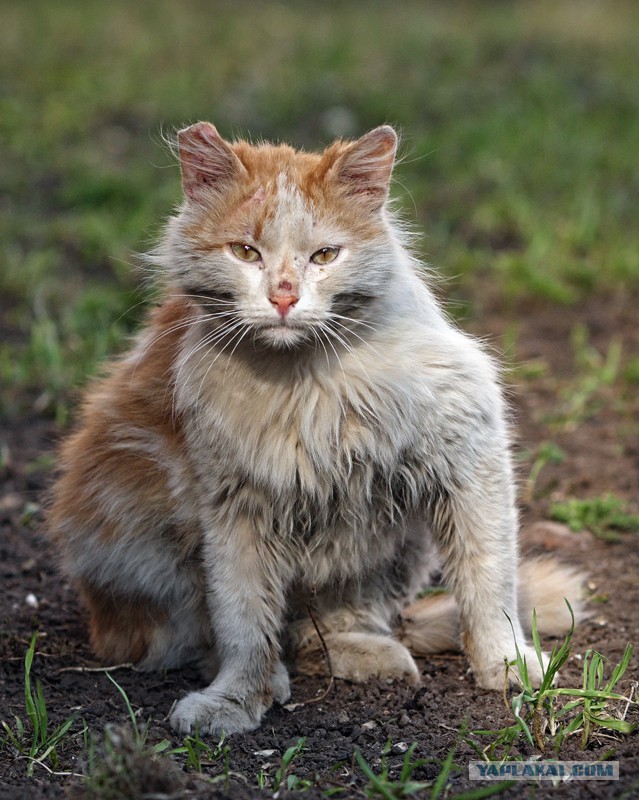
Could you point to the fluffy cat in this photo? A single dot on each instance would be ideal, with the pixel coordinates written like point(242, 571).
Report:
point(295, 424)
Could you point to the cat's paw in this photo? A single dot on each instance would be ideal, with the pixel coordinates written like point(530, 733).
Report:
point(211, 712)
point(493, 675)
point(357, 656)
point(280, 684)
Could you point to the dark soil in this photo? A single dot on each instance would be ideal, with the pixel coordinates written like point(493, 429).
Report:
point(602, 455)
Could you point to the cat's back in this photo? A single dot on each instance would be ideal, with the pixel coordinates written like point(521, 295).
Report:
point(139, 386)
point(127, 438)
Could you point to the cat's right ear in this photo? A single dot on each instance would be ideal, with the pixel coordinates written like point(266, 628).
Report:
point(208, 163)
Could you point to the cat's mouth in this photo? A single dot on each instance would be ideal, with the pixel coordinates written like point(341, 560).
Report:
point(283, 333)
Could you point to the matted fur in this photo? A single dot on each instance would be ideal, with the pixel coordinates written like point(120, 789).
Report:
point(294, 425)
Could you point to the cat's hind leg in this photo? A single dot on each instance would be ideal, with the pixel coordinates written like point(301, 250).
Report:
point(356, 622)
point(359, 647)
point(144, 631)
point(144, 592)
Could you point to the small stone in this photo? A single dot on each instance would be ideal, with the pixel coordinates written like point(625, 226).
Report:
point(555, 536)
point(369, 726)
point(28, 566)
point(403, 721)
point(10, 503)
point(31, 600)
point(399, 748)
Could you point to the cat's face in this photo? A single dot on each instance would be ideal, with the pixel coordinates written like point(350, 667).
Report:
point(282, 246)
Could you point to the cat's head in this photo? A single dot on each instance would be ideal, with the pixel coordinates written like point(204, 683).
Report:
point(282, 246)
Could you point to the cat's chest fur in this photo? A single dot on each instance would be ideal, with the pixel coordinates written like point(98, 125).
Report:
point(312, 448)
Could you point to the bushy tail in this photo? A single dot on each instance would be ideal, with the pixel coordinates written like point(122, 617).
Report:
point(431, 625)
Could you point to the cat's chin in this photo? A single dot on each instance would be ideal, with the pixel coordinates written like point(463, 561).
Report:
point(282, 337)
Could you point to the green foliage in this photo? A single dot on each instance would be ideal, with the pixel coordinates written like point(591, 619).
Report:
point(283, 776)
point(547, 715)
point(200, 754)
point(546, 453)
point(34, 740)
point(140, 735)
point(604, 516)
point(64, 345)
point(584, 394)
point(127, 761)
point(383, 786)
point(523, 176)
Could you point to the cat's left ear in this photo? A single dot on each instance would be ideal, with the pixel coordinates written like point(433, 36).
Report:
point(366, 166)
point(208, 162)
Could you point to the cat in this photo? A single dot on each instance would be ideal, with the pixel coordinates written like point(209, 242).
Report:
point(295, 429)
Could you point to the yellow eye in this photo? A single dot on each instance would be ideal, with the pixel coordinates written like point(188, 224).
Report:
point(245, 252)
point(325, 255)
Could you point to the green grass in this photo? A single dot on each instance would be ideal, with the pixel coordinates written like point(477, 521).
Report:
point(284, 777)
point(519, 124)
point(383, 785)
point(127, 763)
point(546, 716)
point(596, 374)
point(545, 453)
point(605, 516)
point(33, 739)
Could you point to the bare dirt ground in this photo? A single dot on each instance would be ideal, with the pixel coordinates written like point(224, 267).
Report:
point(601, 455)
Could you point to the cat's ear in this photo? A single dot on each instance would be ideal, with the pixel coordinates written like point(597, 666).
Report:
point(207, 161)
point(366, 166)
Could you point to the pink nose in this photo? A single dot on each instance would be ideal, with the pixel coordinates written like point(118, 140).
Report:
point(283, 303)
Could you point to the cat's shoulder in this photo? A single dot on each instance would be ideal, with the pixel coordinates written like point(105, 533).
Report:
point(430, 343)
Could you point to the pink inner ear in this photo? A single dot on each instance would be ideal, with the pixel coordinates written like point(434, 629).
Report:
point(206, 159)
point(366, 167)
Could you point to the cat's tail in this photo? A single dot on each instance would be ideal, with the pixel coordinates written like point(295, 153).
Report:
point(431, 625)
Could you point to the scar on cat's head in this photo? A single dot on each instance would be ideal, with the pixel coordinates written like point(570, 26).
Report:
point(359, 169)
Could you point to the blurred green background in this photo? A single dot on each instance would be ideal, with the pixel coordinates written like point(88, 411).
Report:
point(520, 125)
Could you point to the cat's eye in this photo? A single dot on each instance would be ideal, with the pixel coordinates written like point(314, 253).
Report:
point(245, 252)
point(325, 255)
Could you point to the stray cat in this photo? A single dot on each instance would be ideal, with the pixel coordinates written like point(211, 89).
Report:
point(295, 424)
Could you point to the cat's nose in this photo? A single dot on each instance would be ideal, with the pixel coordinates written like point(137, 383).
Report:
point(283, 303)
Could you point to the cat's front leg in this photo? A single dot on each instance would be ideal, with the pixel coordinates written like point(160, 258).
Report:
point(245, 601)
point(475, 526)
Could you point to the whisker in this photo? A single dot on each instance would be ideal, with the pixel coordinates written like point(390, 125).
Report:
point(239, 335)
point(207, 342)
point(214, 336)
point(247, 328)
point(355, 321)
point(347, 346)
point(352, 333)
point(213, 299)
point(324, 329)
point(319, 341)
point(342, 340)
point(183, 325)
